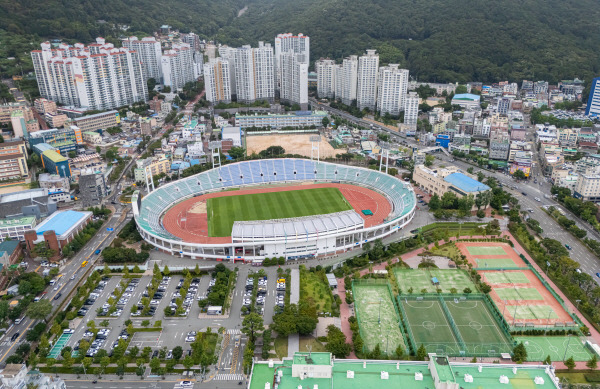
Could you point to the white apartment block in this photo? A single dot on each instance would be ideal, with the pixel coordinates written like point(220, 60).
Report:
point(149, 52)
point(254, 73)
point(217, 81)
point(392, 84)
point(299, 44)
point(411, 109)
point(326, 78)
point(346, 80)
point(97, 77)
point(294, 79)
point(228, 53)
point(366, 87)
point(178, 66)
point(587, 187)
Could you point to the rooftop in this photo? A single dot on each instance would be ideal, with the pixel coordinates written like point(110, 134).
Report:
point(466, 96)
point(61, 222)
point(23, 195)
point(465, 183)
point(20, 221)
point(54, 156)
point(8, 246)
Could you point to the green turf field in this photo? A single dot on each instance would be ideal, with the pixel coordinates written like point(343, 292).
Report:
point(373, 301)
point(530, 312)
point(506, 278)
point(538, 347)
point(223, 211)
point(486, 250)
point(499, 262)
point(419, 279)
point(518, 294)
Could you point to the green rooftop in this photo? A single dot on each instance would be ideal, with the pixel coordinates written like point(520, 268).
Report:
point(53, 156)
point(19, 221)
point(314, 359)
point(444, 371)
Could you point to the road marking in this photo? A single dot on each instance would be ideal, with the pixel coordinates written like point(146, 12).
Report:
point(17, 341)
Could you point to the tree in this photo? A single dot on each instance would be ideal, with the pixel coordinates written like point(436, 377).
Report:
point(548, 361)
point(429, 160)
point(570, 363)
point(336, 342)
point(325, 121)
point(237, 152)
point(519, 175)
point(67, 360)
point(104, 362)
point(592, 363)
point(520, 353)
point(154, 364)
point(177, 353)
point(252, 324)
point(399, 352)
point(145, 323)
point(72, 154)
point(39, 310)
point(421, 353)
point(188, 362)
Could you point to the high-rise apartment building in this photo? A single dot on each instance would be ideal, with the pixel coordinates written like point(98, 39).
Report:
point(149, 53)
point(411, 109)
point(217, 81)
point(177, 66)
point(191, 39)
point(294, 79)
point(299, 44)
point(254, 73)
point(98, 76)
point(593, 103)
point(366, 87)
point(326, 78)
point(228, 53)
point(392, 83)
point(346, 80)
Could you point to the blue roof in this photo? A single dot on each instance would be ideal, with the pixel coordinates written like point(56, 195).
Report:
point(465, 183)
point(8, 246)
point(60, 222)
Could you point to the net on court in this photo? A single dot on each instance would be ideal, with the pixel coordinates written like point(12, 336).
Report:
point(539, 347)
point(429, 326)
point(506, 277)
point(486, 250)
point(377, 317)
point(530, 312)
point(477, 327)
point(518, 294)
point(421, 279)
point(495, 262)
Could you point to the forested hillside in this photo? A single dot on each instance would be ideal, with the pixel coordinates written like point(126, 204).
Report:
point(438, 40)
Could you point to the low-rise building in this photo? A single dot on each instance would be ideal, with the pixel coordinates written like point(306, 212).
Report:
point(467, 101)
point(587, 188)
point(10, 250)
point(57, 230)
point(92, 188)
point(92, 137)
point(442, 180)
point(14, 228)
point(97, 121)
point(54, 182)
point(151, 167)
point(13, 161)
point(54, 163)
point(32, 202)
point(44, 106)
point(277, 121)
point(233, 133)
point(56, 120)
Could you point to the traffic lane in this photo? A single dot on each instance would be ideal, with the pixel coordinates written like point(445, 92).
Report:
point(27, 325)
point(237, 298)
point(129, 384)
point(270, 300)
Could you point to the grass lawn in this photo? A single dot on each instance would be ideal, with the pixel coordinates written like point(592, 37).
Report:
point(448, 250)
point(314, 290)
point(281, 347)
point(316, 346)
point(223, 211)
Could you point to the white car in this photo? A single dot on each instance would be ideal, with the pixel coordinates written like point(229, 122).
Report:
point(73, 277)
point(154, 302)
point(538, 199)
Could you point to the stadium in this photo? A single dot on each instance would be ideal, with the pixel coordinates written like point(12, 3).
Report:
point(292, 208)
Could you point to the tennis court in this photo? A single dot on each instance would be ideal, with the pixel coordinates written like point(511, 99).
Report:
point(478, 328)
point(378, 319)
point(539, 347)
point(429, 326)
point(506, 277)
point(530, 312)
point(421, 280)
point(494, 262)
point(518, 294)
point(486, 250)
point(58, 346)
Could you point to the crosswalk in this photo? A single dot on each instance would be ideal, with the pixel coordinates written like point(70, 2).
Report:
point(229, 377)
point(234, 332)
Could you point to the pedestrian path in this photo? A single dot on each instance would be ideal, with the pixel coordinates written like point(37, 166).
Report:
point(234, 332)
point(229, 377)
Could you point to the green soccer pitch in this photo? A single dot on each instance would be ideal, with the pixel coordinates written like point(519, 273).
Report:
point(224, 211)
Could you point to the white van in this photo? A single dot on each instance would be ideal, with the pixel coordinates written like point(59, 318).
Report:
point(19, 320)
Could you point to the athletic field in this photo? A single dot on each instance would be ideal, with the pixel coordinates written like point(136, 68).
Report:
point(518, 294)
point(377, 317)
point(532, 312)
point(486, 250)
point(506, 277)
point(224, 211)
point(539, 347)
point(454, 327)
point(422, 279)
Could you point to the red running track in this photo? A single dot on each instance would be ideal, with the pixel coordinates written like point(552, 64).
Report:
point(193, 227)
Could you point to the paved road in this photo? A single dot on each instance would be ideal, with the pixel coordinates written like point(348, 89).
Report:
point(133, 382)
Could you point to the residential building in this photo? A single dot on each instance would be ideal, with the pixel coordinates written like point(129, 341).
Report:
point(233, 133)
point(98, 76)
point(18, 376)
point(467, 101)
point(193, 40)
point(326, 78)
point(14, 228)
point(54, 182)
point(522, 161)
point(55, 163)
point(13, 161)
point(44, 106)
point(149, 53)
point(567, 137)
point(518, 133)
point(346, 80)
point(419, 157)
point(298, 44)
point(588, 165)
point(366, 87)
point(277, 121)
point(392, 84)
point(6, 111)
point(540, 87)
point(504, 105)
point(152, 167)
point(92, 137)
point(92, 188)
point(254, 73)
point(294, 79)
point(587, 187)
point(411, 109)
point(56, 120)
point(21, 126)
point(499, 145)
point(177, 66)
point(461, 139)
point(217, 81)
point(440, 181)
point(32, 202)
point(517, 147)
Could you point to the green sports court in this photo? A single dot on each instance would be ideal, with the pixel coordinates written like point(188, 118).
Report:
point(539, 347)
point(423, 279)
point(495, 263)
point(509, 277)
point(486, 250)
point(518, 294)
point(531, 312)
point(58, 346)
point(377, 316)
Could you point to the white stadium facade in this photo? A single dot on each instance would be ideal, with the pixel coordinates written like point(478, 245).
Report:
point(305, 237)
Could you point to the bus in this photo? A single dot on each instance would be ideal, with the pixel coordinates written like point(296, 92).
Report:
point(84, 263)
